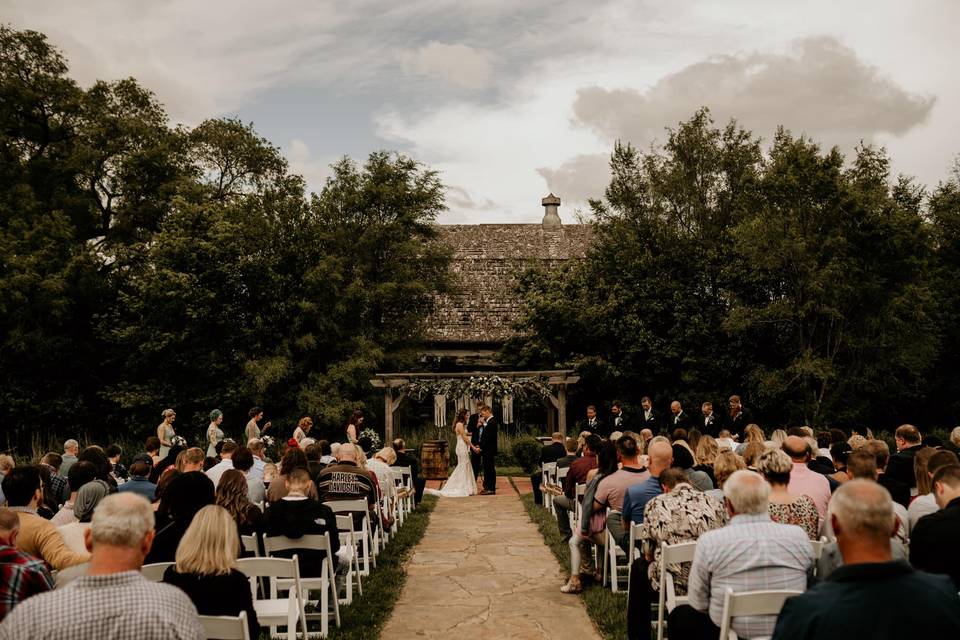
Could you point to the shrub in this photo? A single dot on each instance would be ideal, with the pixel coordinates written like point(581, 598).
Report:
point(526, 453)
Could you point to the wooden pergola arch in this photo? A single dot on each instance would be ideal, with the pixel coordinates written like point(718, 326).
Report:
point(558, 380)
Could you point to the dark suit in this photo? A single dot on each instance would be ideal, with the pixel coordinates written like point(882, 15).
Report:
point(618, 426)
point(474, 430)
point(711, 426)
point(933, 542)
point(680, 421)
point(653, 422)
point(738, 423)
point(487, 438)
point(404, 459)
point(550, 453)
point(899, 492)
point(900, 466)
point(597, 428)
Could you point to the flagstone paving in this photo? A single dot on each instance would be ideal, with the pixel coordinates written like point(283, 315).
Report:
point(483, 571)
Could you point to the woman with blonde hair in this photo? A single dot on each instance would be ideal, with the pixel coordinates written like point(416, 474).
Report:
point(723, 467)
point(165, 431)
point(707, 452)
point(926, 463)
point(778, 437)
point(786, 507)
point(753, 433)
point(190, 460)
point(303, 428)
point(752, 453)
point(206, 568)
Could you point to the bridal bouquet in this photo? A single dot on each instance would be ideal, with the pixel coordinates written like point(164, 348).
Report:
point(374, 438)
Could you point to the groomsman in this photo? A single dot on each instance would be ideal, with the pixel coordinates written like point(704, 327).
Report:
point(594, 424)
point(651, 418)
point(616, 413)
point(710, 424)
point(679, 419)
point(739, 419)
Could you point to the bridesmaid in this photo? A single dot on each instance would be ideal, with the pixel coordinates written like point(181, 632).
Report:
point(354, 426)
point(303, 429)
point(253, 428)
point(214, 432)
point(165, 431)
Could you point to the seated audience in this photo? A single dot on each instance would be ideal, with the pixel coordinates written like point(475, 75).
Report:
point(59, 487)
point(786, 507)
point(161, 506)
point(152, 447)
point(312, 452)
point(611, 490)
point(579, 469)
point(752, 433)
point(80, 474)
point(293, 458)
point(190, 460)
point(38, 537)
point(862, 464)
point(233, 495)
point(206, 568)
point(548, 454)
point(723, 467)
point(927, 461)
point(751, 553)
point(139, 481)
point(328, 454)
point(345, 480)
point(899, 491)
point(406, 459)
point(89, 496)
point(113, 453)
point(681, 514)
point(255, 445)
point(296, 515)
point(227, 449)
point(683, 459)
point(113, 600)
point(660, 458)
point(933, 542)
point(803, 481)
point(870, 596)
point(71, 449)
point(243, 460)
point(95, 455)
point(22, 575)
point(186, 495)
point(909, 443)
point(725, 440)
point(166, 463)
point(707, 451)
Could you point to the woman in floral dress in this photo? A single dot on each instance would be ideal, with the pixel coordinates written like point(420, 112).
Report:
point(786, 507)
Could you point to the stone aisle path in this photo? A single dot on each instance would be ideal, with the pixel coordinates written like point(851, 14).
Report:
point(483, 571)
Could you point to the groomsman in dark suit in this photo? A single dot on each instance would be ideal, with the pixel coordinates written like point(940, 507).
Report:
point(739, 419)
point(473, 428)
point(488, 450)
point(651, 417)
point(617, 422)
point(594, 425)
point(710, 423)
point(679, 419)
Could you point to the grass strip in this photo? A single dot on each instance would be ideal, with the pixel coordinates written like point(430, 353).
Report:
point(606, 609)
point(365, 617)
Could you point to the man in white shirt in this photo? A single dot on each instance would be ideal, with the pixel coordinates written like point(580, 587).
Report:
point(243, 461)
point(226, 453)
point(255, 445)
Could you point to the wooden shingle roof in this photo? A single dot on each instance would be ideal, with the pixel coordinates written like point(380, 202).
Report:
point(487, 260)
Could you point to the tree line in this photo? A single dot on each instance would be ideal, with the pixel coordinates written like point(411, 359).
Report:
point(819, 287)
point(145, 265)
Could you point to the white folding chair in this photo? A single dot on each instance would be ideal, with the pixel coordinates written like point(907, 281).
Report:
point(633, 552)
point(250, 544)
point(367, 537)
point(577, 512)
point(751, 603)
point(350, 540)
point(818, 548)
point(226, 627)
point(411, 499)
point(399, 485)
point(154, 572)
point(325, 583)
point(671, 554)
point(272, 610)
point(548, 473)
point(612, 559)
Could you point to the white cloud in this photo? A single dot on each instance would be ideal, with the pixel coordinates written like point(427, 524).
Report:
point(315, 171)
point(457, 64)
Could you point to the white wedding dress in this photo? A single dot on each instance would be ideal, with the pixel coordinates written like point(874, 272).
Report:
point(461, 482)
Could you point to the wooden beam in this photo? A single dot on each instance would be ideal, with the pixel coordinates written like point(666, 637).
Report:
point(562, 408)
point(387, 414)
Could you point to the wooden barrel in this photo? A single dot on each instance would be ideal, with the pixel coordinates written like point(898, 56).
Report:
point(434, 459)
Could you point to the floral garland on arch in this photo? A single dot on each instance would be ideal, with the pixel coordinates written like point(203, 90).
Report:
point(477, 387)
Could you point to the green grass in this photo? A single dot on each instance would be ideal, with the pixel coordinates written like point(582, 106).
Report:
point(365, 617)
point(608, 610)
point(510, 472)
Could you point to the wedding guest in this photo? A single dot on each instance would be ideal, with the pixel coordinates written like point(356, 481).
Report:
point(680, 514)
point(611, 490)
point(639, 495)
point(899, 491)
point(706, 454)
point(752, 433)
point(297, 515)
point(723, 467)
point(751, 553)
point(933, 543)
point(165, 431)
point(113, 600)
point(21, 575)
point(71, 448)
point(152, 447)
point(139, 481)
point(206, 571)
point(725, 440)
point(243, 460)
point(59, 487)
point(328, 453)
point(405, 459)
point(579, 470)
point(928, 462)
point(117, 469)
point(80, 474)
point(684, 459)
point(803, 481)
point(38, 537)
point(292, 459)
point(227, 450)
point(909, 443)
point(870, 596)
point(214, 432)
point(190, 460)
point(786, 507)
point(167, 462)
point(548, 454)
point(259, 463)
point(160, 506)
point(89, 496)
point(187, 494)
point(345, 480)
point(233, 495)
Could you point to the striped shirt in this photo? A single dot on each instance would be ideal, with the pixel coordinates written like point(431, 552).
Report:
point(751, 553)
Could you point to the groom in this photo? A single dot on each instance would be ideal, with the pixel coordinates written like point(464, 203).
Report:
point(487, 449)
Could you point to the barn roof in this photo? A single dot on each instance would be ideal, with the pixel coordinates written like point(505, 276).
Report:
point(487, 259)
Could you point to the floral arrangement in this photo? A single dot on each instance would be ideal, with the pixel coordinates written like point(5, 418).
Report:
point(267, 441)
point(178, 441)
point(477, 387)
point(374, 438)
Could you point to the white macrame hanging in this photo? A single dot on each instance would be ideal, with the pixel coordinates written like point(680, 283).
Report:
point(440, 410)
point(488, 401)
point(506, 403)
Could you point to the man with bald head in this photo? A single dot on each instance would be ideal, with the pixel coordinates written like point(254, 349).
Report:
point(636, 498)
point(679, 419)
point(345, 480)
point(804, 481)
point(870, 596)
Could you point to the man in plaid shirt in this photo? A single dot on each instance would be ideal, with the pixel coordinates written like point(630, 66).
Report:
point(21, 576)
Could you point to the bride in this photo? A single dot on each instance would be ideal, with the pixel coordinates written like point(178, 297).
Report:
point(461, 482)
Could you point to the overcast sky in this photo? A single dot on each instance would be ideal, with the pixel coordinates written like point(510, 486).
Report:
point(510, 100)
